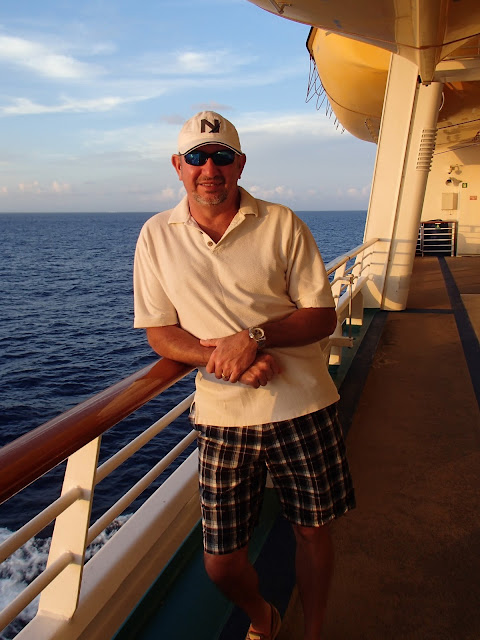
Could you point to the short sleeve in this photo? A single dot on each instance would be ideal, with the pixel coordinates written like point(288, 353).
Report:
point(152, 307)
point(307, 279)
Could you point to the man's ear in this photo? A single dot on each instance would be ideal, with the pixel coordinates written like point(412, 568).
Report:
point(177, 165)
point(243, 160)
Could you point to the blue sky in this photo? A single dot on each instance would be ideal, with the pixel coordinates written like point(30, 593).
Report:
point(93, 94)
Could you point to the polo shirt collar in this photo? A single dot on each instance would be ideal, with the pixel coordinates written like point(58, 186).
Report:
point(181, 213)
point(248, 204)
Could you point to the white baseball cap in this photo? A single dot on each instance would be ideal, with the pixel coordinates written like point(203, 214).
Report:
point(208, 127)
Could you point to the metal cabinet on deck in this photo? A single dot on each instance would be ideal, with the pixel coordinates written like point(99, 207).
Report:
point(437, 237)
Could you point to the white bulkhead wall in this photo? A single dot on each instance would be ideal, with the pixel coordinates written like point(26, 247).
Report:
point(455, 180)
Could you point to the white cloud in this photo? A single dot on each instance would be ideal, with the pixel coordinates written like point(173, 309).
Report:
point(268, 194)
point(29, 187)
point(36, 188)
point(258, 132)
point(210, 62)
point(289, 124)
point(44, 61)
point(146, 141)
point(191, 62)
point(358, 194)
point(58, 187)
point(211, 106)
point(24, 106)
point(102, 48)
point(163, 199)
point(165, 195)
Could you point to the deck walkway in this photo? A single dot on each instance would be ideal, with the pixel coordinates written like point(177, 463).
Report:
point(408, 562)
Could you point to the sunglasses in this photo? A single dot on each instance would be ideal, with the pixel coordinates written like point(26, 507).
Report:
point(220, 158)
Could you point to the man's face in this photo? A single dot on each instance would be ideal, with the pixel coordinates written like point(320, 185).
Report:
point(210, 184)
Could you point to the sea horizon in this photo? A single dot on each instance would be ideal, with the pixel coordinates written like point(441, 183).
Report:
point(153, 212)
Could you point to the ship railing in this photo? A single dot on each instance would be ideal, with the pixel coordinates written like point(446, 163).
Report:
point(350, 272)
point(76, 435)
point(69, 585)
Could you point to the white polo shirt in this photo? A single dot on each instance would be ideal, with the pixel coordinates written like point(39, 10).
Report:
point(265, 266)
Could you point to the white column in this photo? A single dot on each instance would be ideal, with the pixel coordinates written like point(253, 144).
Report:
point(404, 155)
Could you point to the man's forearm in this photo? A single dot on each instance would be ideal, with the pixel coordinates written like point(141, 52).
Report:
point(230, 357)
point(301, 327)
point(175, 343)
point(235, 353)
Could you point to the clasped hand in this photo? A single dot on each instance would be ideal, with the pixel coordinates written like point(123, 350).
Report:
point(236, 359)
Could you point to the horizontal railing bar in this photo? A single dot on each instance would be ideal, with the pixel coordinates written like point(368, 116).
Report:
point(17, 605)
point(345, 280)
point(337, 262)
point(27, 458)
point(109, 516)
point(39, 522)
point(132, 447)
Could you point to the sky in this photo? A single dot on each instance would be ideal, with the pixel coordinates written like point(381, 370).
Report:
point(93, 95)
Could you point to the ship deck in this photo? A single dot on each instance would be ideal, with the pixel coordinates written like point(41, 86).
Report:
point(407, 562)
point(407, 557)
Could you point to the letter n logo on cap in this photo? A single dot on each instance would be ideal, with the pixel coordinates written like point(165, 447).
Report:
point(214, 128)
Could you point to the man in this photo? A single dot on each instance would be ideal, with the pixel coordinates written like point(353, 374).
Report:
point(236, 287)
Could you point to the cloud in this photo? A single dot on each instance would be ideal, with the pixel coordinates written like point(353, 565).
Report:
point(36, 188)
point(267, 194)
point(175, 118)
point(58, 187)
point(165, 198)
point(192, 63)
point(178, 119)
point(29, 187)
point(212, 106)
point(24, 106)
point(358, 194)
point(167, 195)
point(286, 124)
point(44, 61)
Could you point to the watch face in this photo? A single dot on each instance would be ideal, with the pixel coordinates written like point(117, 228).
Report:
point(257, 333)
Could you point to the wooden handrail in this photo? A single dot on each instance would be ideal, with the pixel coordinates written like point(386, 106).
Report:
point(29, 457)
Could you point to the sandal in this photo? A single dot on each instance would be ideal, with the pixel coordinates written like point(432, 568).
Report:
point(274, 629)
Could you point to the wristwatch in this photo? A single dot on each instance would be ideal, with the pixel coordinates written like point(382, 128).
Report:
point(257, 334)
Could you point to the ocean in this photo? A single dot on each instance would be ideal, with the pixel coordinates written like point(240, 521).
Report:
point(66, 334)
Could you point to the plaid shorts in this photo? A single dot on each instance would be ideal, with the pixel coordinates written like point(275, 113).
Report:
point(307, 463)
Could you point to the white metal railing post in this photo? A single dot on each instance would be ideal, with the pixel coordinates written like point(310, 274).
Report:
point(350, 303)
point(362, 275)
point(60, 597)
point(334, 353)
point(337, 340)
point(338, 281)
